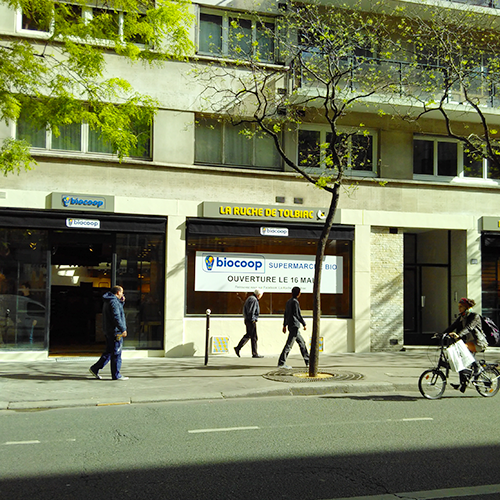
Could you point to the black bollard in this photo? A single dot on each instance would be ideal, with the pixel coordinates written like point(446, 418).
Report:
point(207, 336)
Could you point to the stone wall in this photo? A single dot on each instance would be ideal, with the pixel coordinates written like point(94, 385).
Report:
point(386, 282)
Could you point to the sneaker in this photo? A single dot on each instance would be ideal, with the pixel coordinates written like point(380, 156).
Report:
point(122, 378)
point(258, 356)
point(95, 374)
point(285, 367)
point(237, 351)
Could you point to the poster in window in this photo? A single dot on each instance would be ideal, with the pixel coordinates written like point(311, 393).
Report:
point(236, 272)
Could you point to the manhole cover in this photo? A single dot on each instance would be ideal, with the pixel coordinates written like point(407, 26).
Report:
point(301, 375)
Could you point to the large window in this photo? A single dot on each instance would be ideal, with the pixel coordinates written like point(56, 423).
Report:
point(23, 286)
point(246, 239)
point(358, 151)
point(439, 157)
point(79, 137)
point(239, 37)
point(220, 143)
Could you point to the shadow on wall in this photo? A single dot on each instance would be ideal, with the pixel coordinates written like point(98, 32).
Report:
point(181, 351)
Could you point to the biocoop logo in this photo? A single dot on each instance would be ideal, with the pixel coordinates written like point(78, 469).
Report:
point(234, 263)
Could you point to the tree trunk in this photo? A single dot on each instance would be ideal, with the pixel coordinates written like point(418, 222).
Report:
point(320, 253)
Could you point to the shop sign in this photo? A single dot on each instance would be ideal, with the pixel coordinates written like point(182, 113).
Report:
point(238, 272)
point(264, 212)
point(86, 202)
point(83, 224)
point(490, 223)
point(274, 231)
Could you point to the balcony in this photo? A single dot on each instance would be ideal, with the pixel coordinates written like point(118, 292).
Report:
point(494, 4)
point(423, 82)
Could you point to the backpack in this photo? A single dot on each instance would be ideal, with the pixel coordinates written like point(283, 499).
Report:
point(491, 331)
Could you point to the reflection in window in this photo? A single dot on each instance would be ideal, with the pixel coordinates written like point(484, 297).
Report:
point(237, 145)
point(236, 37)
point(140, 262)
point(23, 284)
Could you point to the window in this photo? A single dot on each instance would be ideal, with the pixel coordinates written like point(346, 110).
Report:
point(98, 23)
point(238, 37)
point(79, 137)
point(34, 20)
point(445, 158)
point(357, 149)
point(219, 143)
point(246, 239)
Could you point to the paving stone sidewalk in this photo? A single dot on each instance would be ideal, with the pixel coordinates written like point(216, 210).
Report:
point(66, 382)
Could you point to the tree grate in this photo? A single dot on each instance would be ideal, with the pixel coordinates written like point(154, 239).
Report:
point(301, 375)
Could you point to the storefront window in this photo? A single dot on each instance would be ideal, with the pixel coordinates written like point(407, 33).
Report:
point(140, 272)
point(23, 280)
point(231, 303)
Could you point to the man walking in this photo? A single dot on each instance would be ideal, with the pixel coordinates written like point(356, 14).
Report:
point(251, 311)
point(115, 328)
point(293, 319)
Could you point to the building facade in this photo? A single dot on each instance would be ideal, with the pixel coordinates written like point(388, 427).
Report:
point(190, 223)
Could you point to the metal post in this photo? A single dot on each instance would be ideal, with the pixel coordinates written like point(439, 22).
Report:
point(207, 336)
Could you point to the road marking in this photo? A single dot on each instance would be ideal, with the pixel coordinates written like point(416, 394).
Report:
point(468, 491)
point(35, 441)
point(224, 429)
point(417, 419)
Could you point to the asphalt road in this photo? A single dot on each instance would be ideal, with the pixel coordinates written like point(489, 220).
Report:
point(374, 446)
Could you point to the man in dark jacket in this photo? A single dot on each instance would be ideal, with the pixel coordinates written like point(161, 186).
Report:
point(293, 319)
point(251, 311)
point(115, 328)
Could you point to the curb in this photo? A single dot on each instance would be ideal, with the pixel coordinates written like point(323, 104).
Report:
point(337, 388)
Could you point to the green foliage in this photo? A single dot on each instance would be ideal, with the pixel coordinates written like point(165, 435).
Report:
point(59, 77)
point(15, 155)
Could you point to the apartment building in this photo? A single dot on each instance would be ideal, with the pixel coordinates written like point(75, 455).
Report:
point(200, 215)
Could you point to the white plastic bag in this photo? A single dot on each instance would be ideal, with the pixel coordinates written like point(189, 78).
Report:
point(459, 356)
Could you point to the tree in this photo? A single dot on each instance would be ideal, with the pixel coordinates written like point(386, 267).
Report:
point(59, 77)
point(329, 67)
point(458, 53)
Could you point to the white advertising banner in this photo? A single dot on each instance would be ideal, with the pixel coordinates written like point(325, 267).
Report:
point(236, 272)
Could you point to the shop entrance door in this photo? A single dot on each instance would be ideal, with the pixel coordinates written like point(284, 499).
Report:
point(81, 269)
point(426, 286)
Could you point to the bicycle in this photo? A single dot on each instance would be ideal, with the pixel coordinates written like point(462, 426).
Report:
point(432, 382)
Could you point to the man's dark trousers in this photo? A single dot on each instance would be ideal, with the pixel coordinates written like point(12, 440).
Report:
point(294, 335)
point(113, 353)
point(250, 335)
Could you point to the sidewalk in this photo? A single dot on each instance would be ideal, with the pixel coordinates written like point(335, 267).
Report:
point(66, 382)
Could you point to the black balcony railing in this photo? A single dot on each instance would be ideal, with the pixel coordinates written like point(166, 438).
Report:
point(494, 4)
point(421, 81)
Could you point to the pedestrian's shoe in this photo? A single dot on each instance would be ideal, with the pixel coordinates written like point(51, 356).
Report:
point(257, 356)
point(455, 386)
point(122, 378)
point(285, 367)
point(95, 374)
point(237, 351)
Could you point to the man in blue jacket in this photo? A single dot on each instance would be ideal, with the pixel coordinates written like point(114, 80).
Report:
point(293, 319)
point(115, 328)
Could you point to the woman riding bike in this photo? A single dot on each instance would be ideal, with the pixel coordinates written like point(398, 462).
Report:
point(468, 328)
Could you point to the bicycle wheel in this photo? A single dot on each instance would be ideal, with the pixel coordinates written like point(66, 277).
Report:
point(487, 383)
point(432, 384)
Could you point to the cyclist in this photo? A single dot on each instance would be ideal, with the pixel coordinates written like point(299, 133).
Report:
point(467, 327)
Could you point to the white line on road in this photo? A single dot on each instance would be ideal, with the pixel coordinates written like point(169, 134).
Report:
point(224, 429)
point(412, 419)
point(35, 441)
point(469, 491)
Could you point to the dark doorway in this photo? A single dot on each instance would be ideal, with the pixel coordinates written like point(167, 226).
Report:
point(426, 286)
point(81, 271)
